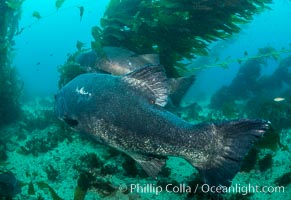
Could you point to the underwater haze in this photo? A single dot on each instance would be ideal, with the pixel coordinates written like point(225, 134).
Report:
point(45, 43)
point(145, 99)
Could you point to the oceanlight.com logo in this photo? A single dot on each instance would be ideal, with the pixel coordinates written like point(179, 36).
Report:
point(242, 189)
point(205, 188)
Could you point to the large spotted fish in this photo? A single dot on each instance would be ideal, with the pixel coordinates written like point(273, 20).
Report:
point(126, 112)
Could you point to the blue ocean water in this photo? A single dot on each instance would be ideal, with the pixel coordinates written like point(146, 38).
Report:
point(45, 43)
point(54, 162)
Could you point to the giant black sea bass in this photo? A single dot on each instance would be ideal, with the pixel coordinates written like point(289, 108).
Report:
point(126, 112)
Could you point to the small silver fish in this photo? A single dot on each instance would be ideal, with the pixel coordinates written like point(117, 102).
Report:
point(279, 99)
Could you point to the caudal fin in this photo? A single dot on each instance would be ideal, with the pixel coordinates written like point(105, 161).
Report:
point(228, 144)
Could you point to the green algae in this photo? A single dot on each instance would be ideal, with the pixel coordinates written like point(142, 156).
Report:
point(69, 71)
point(283, 180)
point(176, 30)
point(14, 4)
point(266, 162)
point(31, 190)
point(271, 140)
point(36, 14)
point(52, 173)
point(59, 3)
point(79, 193)
point(54, 195)
point(250, 160)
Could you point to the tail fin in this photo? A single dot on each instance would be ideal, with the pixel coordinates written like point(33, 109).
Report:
point(229, 142)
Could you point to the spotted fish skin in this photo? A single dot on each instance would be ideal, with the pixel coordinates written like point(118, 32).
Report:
point(126, 113)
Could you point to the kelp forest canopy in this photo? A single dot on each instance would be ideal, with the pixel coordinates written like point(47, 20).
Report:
point(178, 30)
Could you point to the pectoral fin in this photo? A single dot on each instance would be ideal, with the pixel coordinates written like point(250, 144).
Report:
point(151, 165)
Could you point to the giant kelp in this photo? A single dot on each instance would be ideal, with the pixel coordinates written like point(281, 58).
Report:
point(10, 86)
point(247, 83)
point(176, 30)
point(263, 103)
point(250, 89)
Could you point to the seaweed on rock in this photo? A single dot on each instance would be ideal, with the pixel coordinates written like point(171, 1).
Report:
point(54, 195)
point(250, 160)
point(266, 162)
point(46, 142)
point(79, 193)
point(283, 180)
point(88, 181)
point(31, 190)
point(3, 154)
point(38, 119)
point(88, 162)
point(68, 72)
point(52, 173)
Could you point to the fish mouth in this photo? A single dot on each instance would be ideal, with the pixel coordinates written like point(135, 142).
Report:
point(60, 107)
point(61, 111)
point(70, 121)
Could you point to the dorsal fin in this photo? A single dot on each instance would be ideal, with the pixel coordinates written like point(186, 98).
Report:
point(147, 59)
point(152, 81)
